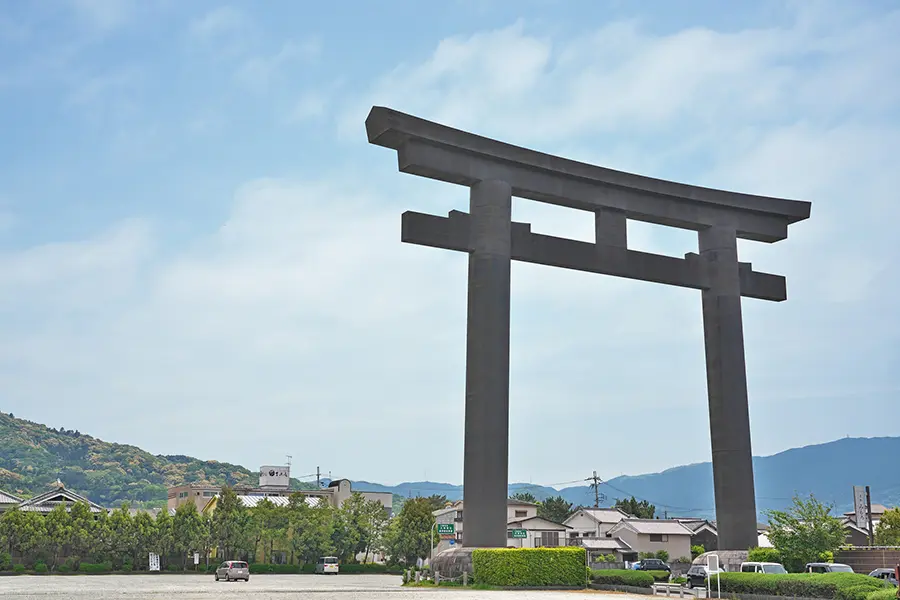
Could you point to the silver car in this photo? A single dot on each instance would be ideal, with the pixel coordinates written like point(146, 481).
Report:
point(233, 570)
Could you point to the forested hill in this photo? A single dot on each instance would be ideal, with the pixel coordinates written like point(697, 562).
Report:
point(33, 456)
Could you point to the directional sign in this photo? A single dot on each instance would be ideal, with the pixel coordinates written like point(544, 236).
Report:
point(446, 528)
point(519, 533)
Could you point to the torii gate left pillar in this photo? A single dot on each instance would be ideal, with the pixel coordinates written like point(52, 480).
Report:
point(494, 172)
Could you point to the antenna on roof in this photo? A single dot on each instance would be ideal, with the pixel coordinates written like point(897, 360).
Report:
point(289, 457)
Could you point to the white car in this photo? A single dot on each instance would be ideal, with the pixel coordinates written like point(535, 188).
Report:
point(233, 570)
point(327, 564)
point(763, 567)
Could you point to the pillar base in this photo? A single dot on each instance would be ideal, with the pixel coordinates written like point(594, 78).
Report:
point(453, 562)
point(729, 560)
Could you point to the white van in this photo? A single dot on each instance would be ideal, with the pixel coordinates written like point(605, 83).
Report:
point(763, 567)
point(327, 564)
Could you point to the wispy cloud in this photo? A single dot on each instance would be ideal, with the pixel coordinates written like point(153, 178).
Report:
point(257, 72)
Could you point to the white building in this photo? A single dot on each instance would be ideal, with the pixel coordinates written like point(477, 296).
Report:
point(653, 535)
point(520, 517)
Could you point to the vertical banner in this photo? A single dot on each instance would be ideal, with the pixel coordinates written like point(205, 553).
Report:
point(154, 562)
point(859, 507)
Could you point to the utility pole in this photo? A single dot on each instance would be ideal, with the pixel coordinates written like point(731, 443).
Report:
point(318, 479)
point(596, 485)
point(869, 516)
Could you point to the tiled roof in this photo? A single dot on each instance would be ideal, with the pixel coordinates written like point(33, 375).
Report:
point(47, 501)
point(523, 520)
point(654, 526)
point(7, 498)
point(605, 515)
point(605, 544)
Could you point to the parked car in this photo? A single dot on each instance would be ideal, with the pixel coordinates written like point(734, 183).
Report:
point(327, 564)
point(652, 564)
point(763, 567)
point(886, 574)
point(698, 574)
point(233, 570)
point(820, 567)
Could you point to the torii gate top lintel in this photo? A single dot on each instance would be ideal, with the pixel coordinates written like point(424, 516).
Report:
point(436, 151)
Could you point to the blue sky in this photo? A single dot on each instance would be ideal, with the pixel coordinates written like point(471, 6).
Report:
point(200, 254)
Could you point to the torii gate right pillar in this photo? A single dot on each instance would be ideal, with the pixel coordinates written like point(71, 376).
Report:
point(726, 377)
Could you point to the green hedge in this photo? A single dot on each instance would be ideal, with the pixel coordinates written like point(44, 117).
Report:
point(764, 555)
point(886, 594)
point(529, 567)
point(95, 567)
point(662, 576)
point(837, 586)
point(641, 579)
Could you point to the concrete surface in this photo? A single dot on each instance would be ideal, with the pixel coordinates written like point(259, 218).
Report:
point(260, 587)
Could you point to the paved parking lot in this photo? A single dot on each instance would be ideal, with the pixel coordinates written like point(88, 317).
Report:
point(261, 587)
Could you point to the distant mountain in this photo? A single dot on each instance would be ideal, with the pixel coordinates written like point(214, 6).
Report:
point(827, 470)
point(33, 456)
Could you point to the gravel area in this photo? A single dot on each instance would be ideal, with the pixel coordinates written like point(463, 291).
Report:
point(260, 587)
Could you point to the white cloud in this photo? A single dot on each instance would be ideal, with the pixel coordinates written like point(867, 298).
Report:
point(257, 72)
point(304, 313)
point(220, 21)
point(104, 14)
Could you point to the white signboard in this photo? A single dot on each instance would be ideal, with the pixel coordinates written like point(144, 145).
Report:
point(272, 476)
point(196, 558)
point(859, 507)
point(154, 562)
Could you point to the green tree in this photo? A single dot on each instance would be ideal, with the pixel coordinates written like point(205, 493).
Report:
point(82, 540)
point(525, 497)
point(187, 531)
point(122, 539)
point(376, 523)
point(804, 532)
point(887, 532)
point(638, 509)
point(310, 529)
point(144, 537)
point(164, 541)
point(437, 501)
point(555, 509)
point(411, 537)
point(58, 526)
point(230, 524)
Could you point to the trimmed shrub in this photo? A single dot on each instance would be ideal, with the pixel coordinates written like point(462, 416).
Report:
point(663, 555)
point(64, 568)
point(19, 569)
point(104, 567)
point(662, 576)
point(5, 561)
point(641, 579)
point(529, 567)
point(40, 567)
point(837, 586)
point(697, 550)
point(764, 555)
point(886, 594)
point(371, 568)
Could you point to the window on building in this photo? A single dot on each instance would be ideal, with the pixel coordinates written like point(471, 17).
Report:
point(550, 538)
point(459, 536)
point(658, 537)
point(459, 515)
point(509, 534)
point(521, 513)
point(209, 494)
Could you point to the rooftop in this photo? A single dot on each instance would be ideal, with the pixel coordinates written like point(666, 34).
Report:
point(654, 526)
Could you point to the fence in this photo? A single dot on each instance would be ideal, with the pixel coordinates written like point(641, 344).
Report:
point(868, 558)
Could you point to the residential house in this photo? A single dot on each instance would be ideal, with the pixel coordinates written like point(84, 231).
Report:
point(596, 547)
point(703, 532)
point(653, 535)
point(858, 533)
point(519, 515)
point(594, 522)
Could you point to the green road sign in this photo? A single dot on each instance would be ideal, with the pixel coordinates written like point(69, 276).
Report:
point(446, 528)
point(519, 533)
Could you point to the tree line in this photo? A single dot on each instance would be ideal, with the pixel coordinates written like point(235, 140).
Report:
point(297, 533)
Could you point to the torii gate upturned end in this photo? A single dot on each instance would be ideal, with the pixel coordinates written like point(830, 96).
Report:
point(495, 172)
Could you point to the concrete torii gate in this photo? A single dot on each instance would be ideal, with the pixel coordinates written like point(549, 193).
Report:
point(495, 172)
